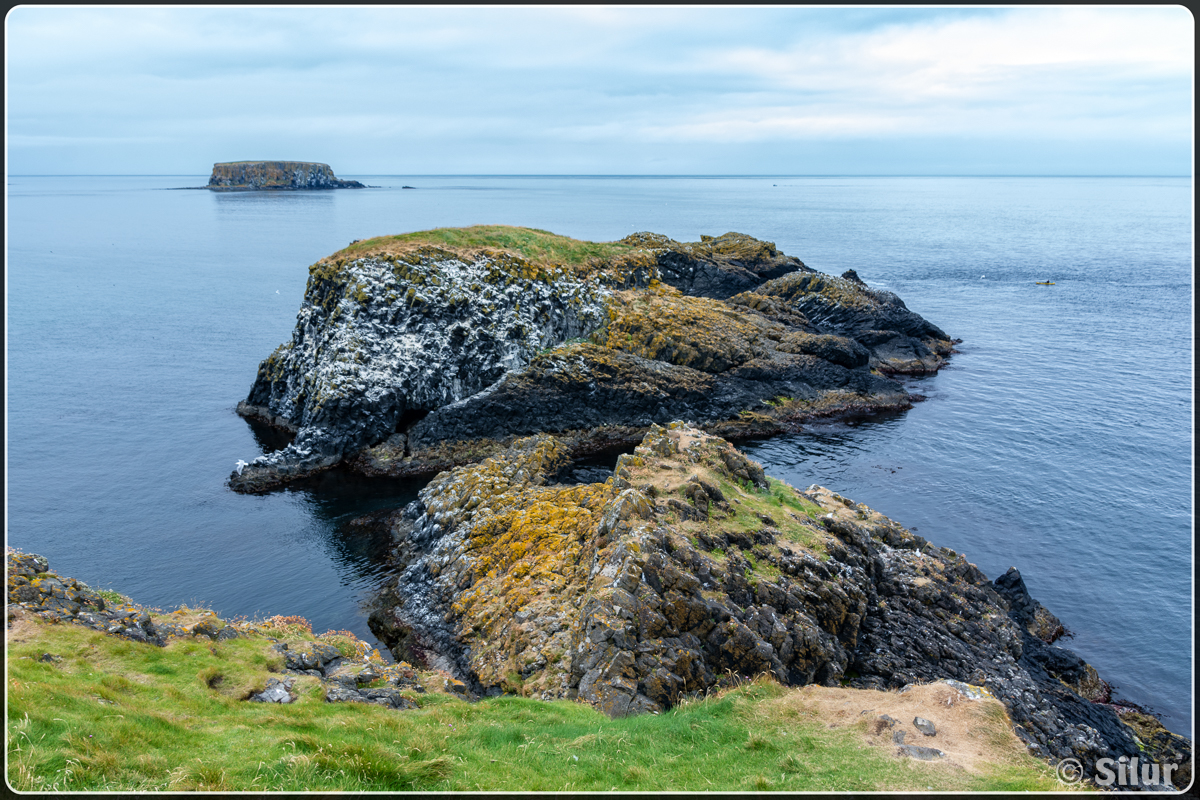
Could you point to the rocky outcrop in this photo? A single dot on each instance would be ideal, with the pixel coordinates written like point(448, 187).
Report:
point(32, 587)
point(689, 566)
point(275, 175)
point(415, 353)
point(349, 669)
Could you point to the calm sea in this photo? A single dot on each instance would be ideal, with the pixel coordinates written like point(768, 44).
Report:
point(1058, 441)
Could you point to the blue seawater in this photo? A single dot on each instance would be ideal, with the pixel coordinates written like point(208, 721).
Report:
point(1059, 440)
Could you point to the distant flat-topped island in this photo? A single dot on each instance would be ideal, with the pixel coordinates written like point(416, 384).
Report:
point(243, 176)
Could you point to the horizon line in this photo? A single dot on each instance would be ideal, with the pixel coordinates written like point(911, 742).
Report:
point(624, 175)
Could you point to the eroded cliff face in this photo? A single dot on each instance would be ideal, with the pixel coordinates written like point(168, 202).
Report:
point(246, 175)
point(688, 566)
point(412, 354)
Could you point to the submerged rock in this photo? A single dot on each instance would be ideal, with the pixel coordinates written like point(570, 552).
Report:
point(688, 567)
point(415, 353)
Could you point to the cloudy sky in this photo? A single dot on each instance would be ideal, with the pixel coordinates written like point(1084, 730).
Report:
point(602, 90)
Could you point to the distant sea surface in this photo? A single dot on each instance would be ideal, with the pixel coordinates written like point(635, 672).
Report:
point(1059, 440)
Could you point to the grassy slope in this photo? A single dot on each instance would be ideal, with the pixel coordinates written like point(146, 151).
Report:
point(537, 246)
point(117, 715)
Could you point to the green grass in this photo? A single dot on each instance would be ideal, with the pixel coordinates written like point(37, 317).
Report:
point(535, 245)
point(115, 715)
point(110, 596)
point(778, 502)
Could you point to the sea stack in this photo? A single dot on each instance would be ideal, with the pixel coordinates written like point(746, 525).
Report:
point(422, 351)
point(275, 175)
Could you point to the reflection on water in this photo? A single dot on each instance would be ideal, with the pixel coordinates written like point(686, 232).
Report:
point(268, 437)
point(337, 501)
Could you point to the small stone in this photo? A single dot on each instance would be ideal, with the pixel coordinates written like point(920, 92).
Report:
point(920, 753)
point(276, 691)
point(898, 737)
point(208, 627)
point(338, 693)
point(881, 723)
point(924, 726)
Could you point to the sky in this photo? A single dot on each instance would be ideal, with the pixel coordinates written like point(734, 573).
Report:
point(573, 90)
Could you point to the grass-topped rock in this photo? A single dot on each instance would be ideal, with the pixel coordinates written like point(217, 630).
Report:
point(416, 352)
point(689, 566)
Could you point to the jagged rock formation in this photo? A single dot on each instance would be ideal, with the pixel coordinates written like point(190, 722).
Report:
point(350, 669)
point(415, 353)
point(277, 175)
point(689, 564)
point(33, 587)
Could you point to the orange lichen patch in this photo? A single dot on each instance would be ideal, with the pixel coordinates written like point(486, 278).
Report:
point(527, 554)
point(520, 555)
point(664, 325)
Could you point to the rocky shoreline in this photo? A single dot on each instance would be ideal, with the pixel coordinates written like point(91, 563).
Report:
point(415, 353)
point(685, 570)
point(349, 669)
point(689, 564)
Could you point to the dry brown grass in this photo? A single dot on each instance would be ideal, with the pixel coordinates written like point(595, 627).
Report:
point(21, 627)
point(972, 733)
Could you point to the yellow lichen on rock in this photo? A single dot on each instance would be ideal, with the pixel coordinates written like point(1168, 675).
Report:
point(665, 325)
point(525, 559)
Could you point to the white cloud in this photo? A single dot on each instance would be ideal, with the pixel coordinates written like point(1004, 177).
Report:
point(453, 79)
point(965, 74)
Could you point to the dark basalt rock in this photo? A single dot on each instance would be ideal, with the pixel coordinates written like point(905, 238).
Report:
point(410, 362)
point(635, 593)
point(717, 267)
point(900, 341)
point(32, 587)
